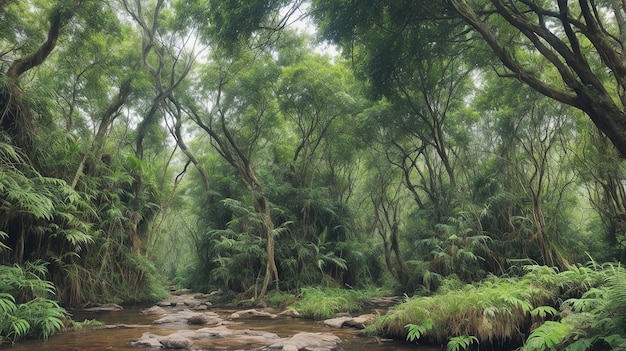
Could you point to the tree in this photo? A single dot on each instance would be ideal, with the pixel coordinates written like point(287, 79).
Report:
point(237, 111)
point(582, 41)
point(532, 165)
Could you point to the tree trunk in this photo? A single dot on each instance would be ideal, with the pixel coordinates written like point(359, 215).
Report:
point(262, 208)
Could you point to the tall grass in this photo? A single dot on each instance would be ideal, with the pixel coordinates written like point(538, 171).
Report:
point(496, 311)
point(318, 303)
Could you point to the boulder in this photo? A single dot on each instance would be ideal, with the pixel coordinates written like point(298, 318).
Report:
point(148, 340)
point(308, 341)
point(154, 310)
point(359, 322)
point(202, 307)
point(201, 319)
point(208, 338)
point(336, 323)
point(181, 292)
point(174, 341)
point(290, 314)
point(185, 315)
point(252, 313)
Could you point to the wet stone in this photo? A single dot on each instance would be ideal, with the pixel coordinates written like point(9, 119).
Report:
point(174, 341)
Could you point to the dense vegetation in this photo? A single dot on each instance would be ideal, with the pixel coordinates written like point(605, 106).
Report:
point(468, 154)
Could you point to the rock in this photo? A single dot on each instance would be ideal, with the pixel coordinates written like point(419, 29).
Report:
point(124, 326)
point(181, 292)
point(153, 310)
point(148, 340)
point(336, 323)
point(201, 319)
point(290, 313)
point(174, 341)
point(202, 307)
point(208, 338)
point(308, 341)
point(201, 296)
point(97, 307)
point(361, 321)
point(220, 332)
point(185, 315)
point(251, 313)
point(164, 304)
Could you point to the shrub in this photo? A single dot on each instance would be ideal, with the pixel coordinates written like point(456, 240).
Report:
point(25, 310)
point(498, 310)
point(594, 321)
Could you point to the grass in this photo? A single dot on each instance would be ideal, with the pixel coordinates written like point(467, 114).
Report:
point(324, 303)
point(496, 311)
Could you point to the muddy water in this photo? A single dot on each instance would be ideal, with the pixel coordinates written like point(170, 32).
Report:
point(116, 339)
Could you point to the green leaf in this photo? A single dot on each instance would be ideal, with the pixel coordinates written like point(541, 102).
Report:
point(548, 336)
point(417, 330)
point(458, 343)
point(543, 311)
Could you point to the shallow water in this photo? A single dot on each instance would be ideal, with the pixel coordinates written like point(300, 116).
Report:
point(117, 339)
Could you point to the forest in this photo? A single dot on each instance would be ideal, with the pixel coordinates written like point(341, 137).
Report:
point(467, 154)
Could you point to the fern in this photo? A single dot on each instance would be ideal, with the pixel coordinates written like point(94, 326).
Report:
point(3, 236)
point(33, 314)
point(459, 343)
point(417, 330)
point(544, 311)
point(7, 306)
point(548, 336)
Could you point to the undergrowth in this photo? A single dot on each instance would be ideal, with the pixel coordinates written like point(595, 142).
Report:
point(324, 303)
point(25, 307)
point(505, 310)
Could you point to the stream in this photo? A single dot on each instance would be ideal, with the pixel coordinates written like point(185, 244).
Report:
point(131, 323)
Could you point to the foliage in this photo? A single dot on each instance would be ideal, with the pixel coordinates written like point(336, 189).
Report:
point(230, 153)
point(593, 321)
point(458, 343)
point(497, 310)
point(25, 307)
point(318, 303)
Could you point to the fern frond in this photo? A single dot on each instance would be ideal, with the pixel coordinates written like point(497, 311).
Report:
point(548, 336)
point(459, 343)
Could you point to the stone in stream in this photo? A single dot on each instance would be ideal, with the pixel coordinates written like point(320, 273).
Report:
point(290, 314)
point(307, 341)
point(174, 341)
point(154, 310)
point(203, 318)
point(359, 322)
point(251, 313)
point(263, 340)
point(148, 340)
point(185, 316)
point(336, 323)
point(98, 307)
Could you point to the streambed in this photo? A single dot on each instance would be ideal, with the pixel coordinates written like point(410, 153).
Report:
point(130, 324)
